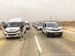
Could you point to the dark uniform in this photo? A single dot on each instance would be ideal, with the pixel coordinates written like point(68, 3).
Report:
point(21, 30)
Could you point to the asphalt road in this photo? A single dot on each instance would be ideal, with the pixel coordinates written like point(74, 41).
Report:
point(19, 47)
point(35, 43)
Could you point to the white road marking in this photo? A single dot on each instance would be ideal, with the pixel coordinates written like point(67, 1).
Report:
point(38, 45)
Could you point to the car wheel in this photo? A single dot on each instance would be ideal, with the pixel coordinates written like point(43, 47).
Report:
point(47, 34)
point(61, 35)
point(24, 31)
point(42, 32)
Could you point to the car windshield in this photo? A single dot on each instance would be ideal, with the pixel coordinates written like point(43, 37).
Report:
point(14, 24)
point(52, 25)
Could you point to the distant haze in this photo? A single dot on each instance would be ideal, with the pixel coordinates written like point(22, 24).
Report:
point(35, 10)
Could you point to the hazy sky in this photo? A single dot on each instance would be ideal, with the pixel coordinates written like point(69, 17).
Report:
point(38, 9)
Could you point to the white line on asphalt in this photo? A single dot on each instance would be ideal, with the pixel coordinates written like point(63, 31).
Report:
point(38, 45)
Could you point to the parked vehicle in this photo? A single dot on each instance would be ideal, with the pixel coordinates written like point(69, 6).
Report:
point(35, 25)
point(13, 28)
point(27, 25)
point(3, 25)
point(39, 26)
point(51, 29)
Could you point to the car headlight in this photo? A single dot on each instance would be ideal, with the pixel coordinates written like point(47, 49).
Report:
point(60, 28)
point(18, 31)
point(38, 27)
point(5, 32)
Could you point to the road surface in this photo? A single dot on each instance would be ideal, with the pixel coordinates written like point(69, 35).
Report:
point(35, 43)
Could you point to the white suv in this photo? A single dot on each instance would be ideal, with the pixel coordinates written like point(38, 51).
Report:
point(13, 29)
point(51, 29)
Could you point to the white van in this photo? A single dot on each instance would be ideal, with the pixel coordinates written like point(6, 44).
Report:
point(13, 28)
point(51, 29)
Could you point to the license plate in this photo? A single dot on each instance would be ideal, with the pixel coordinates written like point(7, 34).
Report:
point(11, 34)
point(56, 33)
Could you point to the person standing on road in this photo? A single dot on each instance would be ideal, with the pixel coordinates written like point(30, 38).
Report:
point(21, 30)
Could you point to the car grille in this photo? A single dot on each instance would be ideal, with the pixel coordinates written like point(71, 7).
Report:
point(56, 30)
point(11, 34)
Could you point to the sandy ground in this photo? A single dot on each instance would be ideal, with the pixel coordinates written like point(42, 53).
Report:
point(70, 28)
point(1, 34)
point(69, 32)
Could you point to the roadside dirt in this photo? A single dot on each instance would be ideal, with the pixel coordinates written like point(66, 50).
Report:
point(70, 28)
point(1, 35)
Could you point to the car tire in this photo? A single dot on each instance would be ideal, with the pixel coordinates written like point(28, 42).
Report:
point(42, 32)
point(61, 34)
point(47, 34)
point(24, 31)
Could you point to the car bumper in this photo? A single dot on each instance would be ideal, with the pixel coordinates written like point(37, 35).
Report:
point(12, 35)
point(27, 28)
point(54, 33)
point(39, 28)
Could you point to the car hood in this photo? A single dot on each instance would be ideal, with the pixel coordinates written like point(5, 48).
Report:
point(12, 29)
